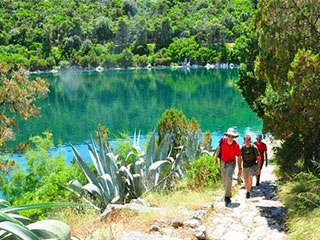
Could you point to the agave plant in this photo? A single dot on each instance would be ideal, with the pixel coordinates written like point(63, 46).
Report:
point(115, 182)
point(14, 226)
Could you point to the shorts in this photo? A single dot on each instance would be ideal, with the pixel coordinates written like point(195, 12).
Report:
point(250, 171)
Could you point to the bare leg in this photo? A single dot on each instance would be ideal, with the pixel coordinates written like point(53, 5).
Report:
point(248, 183)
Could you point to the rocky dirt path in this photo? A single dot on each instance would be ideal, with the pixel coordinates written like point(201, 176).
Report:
point(260, 217)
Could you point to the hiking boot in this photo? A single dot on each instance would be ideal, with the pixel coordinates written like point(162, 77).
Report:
point(248, 195)
point(227, 200)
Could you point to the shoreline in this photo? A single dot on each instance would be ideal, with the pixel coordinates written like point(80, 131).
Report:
point(104, 69)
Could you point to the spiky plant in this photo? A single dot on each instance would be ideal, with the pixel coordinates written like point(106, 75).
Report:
point(14, 226)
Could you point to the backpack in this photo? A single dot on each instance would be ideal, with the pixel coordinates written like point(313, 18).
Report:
point(253, 151)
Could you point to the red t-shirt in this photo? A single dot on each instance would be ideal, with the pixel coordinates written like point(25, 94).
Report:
point(262, 147)
point(229, 152)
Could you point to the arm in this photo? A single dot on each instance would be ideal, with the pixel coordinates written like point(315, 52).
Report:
point(258, 159)
point(239, 158)
point(259, 164)
point(216, 156)
point(266, 158)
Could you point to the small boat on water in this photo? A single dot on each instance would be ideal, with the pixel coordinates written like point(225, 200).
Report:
point(99, 69)
point(231, 65)
point(209, 66)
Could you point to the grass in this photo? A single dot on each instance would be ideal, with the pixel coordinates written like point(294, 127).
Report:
point(182, 197)
point(301, 196)
point(306, 226)
point(86, 223)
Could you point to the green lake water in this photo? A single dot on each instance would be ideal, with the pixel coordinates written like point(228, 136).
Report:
point(125, 100)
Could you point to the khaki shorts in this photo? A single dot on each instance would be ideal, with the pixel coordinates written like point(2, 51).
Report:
point(250, 171)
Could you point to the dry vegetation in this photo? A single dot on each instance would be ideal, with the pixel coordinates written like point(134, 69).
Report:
point(87, 222)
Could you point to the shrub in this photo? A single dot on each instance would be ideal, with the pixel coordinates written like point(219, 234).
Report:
point(38, 64)
point(160, 60)
point(140, 61)
point(287, 156)
point(44, 177)
point(173, 122)
point(64, 64)
point(202, 172)
point(301, 194)
point(206, 141)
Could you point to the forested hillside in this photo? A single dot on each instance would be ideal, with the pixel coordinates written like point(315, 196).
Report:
point(42, 34)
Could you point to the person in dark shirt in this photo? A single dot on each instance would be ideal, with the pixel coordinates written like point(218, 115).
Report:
point(250, 159)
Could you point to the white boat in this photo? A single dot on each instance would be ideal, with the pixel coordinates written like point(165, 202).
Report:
point(99, 69)
point(231, 65)
point(149, 66)
point(209, 66)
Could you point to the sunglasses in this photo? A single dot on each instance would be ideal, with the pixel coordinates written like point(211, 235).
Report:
point(230, 136)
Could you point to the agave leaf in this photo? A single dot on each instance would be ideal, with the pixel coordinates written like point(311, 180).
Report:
point(163, 149)
point(191, 147)
point(108, 186)
point(51, 228)
point(95, 159)
point(4, 203)
point(103, 158)
point(128, 156)
point(179, 171)
point(207, 152)
point(94, 190)
point(134, 137)
point(75, 185)
point(6, 217)
point(17, 230)
point(136, 141)
point(117, 199)
point(39, 205)
point(85, 168)
point(178, 159)
point(22, 219)
point(139, 186)
point(112, 164)
point(128, 180)
point(138, 167)
point(151, 149)
point(155, 166)
point(157, 177)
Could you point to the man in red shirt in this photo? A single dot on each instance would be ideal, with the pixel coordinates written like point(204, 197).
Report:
point(230, 150)
point(262, 147)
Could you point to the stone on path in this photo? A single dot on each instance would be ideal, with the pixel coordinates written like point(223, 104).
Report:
point(139, 236)
point(259, 217)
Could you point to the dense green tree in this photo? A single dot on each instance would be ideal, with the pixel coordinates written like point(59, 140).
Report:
point(287, 72)
point(102, 29)
point(60, 28)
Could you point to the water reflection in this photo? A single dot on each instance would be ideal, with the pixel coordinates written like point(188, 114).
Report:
point(126, 100)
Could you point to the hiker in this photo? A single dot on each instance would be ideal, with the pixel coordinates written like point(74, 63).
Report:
point(250, 159)
point(262, 147)
point(229, 149)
